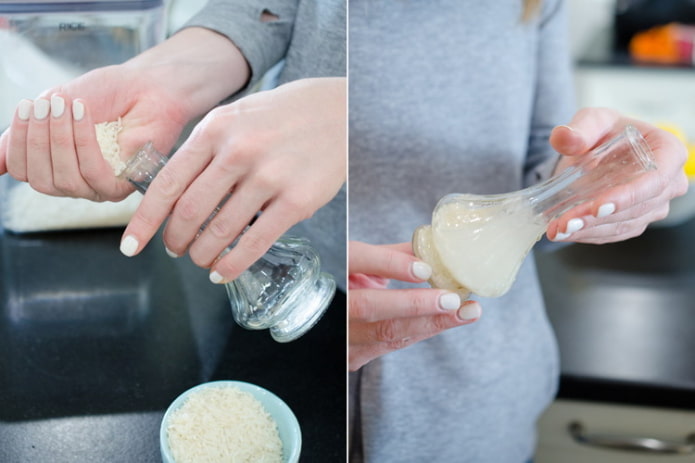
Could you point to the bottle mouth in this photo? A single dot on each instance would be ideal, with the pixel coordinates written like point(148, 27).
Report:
point(642, 150)
point(134, 161)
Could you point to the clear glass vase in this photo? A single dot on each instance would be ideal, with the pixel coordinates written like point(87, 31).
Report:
point(476, 243)
point(284, 291)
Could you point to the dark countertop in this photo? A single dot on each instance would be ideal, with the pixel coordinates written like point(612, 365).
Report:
point(95, 346)
point(624, 315)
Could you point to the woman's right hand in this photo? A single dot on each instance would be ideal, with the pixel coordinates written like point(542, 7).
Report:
point(382, 320)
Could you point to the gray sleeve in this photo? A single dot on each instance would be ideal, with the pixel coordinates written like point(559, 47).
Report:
point(263, 43)
point(554, 99)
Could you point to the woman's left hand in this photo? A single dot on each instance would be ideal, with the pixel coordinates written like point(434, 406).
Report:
point(630, 210)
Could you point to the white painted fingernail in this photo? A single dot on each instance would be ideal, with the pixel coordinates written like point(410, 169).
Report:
point(574, 225)
point(171, 253)
point(216, 278)
point(605, 210)
point(562, 236)
point(57, 106)
point(77, 110)
point(469, 311)
point(24, 110)
point(449, 301)
point(421, 270)
point(129, 245)
point(41, 108)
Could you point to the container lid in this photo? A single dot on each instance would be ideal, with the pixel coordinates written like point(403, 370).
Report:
point(58, 6)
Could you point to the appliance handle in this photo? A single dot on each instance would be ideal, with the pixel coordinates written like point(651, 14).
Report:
point(631, 443)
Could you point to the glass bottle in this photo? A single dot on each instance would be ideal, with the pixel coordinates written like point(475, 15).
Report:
point(476, 243)
point(284, 291)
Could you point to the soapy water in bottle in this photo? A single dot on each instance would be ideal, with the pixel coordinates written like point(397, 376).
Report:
point(480, 248)
point(477, 243)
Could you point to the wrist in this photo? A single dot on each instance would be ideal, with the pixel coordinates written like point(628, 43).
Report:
point(197, 67)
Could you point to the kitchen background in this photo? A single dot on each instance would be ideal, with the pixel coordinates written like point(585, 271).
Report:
point(96, 346)
point(35, 58)
point(624, 313)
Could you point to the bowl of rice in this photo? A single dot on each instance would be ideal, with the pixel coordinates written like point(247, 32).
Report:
point(229, 421)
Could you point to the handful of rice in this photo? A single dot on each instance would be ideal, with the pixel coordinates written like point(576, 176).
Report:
point(27, 210)
point(107, 137)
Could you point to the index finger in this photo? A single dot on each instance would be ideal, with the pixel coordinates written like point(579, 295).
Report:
point(94, 168)
point(388, 261)
point(159, 200)
point(372, 305)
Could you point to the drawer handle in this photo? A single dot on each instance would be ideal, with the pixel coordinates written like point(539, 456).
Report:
point(632, 443)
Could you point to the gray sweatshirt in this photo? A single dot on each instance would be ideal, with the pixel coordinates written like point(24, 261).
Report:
point(453, 96)
point(309, 38)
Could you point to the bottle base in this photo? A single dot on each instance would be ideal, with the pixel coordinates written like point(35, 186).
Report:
point(301, 319)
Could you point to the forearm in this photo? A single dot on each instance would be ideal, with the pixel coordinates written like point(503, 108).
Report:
point(198, 66)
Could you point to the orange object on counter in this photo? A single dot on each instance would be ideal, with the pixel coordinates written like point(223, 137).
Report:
point(668, 44)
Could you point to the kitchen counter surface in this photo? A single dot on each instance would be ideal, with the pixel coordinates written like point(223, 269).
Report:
point(95, 346)
point(624, 315)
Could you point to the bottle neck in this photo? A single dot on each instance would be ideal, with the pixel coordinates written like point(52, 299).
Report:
point(614, 163)
point(143, 166)
point(555, 196)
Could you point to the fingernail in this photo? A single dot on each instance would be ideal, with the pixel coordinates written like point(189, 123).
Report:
point(421, 270)
point(24, 110)
point(216, 278)
point(129, 245)
point(470, 311)
point(574, 131)
point(605, 210)
point(449, 301)
point(77, 110)
point(574, 225)
point(57, 106)
point(562, 236)
point(171, 253)
point(41, 108)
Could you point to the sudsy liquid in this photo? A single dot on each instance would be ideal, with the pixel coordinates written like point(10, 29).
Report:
point(477, 243)
point(477, 246)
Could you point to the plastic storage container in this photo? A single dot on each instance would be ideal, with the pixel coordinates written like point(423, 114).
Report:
point(43, 44)
point(46, 43)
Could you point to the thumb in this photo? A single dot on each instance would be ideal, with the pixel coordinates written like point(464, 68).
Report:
point(568, 141)
point(4, 141)
point(588, 128)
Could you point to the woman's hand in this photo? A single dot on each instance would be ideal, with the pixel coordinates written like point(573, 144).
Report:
point(382, 320)
point(624, 212)
point(282, 152)
point(52, 144)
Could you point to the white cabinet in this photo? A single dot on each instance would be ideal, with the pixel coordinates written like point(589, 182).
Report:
point(614, 422)
point(656, 95)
